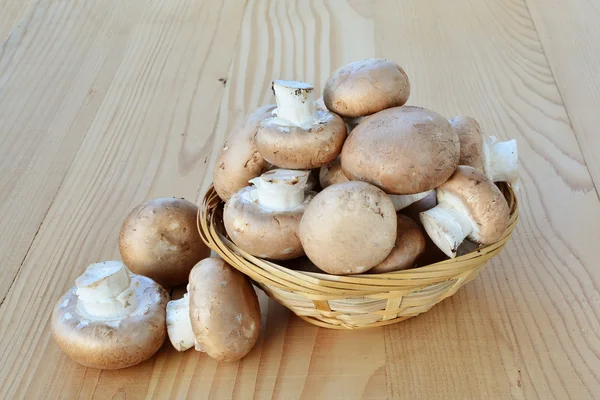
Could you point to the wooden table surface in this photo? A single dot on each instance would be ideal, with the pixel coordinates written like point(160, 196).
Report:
point(107, 103)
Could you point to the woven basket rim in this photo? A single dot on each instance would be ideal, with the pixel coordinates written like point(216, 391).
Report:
point(321, 285)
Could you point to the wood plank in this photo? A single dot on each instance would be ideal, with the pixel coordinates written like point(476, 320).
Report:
point(13, 11)
point(570, 35)
point(526, 328)
point(148, 138)
point(52, 82)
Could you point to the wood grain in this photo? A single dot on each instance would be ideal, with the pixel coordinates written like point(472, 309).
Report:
point(13, 13)
point(571, 42)
point(527, 328)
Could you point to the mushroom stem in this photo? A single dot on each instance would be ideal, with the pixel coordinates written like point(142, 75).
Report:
point(280, 189)
point(105, 291)
point(447, 224)
point(401, 201)
point(296, 105)
point(501, 160)
point(179, 326)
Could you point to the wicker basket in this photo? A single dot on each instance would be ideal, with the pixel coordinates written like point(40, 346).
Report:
point(352, 301)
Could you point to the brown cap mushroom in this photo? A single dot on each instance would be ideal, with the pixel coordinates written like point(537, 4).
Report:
point(402, 150)
point(469, 205)
point(220, 314)
point(301, 135)
point(366, 87)
point(159, 239)
point(239, 159)
point(410, 244)
point(111, 318)
point(263, 219)
point(498, 160)
point(348, 228)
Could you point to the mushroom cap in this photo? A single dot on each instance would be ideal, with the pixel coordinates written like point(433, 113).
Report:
point(295, 147)
point(482, 200)
point(224, 310)
point(402, 150)
point(366, 87)
point(159, 239)
point(348, 228)
point(239, 160)
point(410, 244)
point(331, 173)
point(471, 141)
point(262, 232)
point(115, 343)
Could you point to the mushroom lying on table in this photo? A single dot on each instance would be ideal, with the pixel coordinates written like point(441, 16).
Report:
point(365, 87)
point(469, 205)
point(348, 228)
point(402, 150)
point(159, 239)
point(498, 160)
point(219, 315)
point(111, 318)
point(263, 219)
point(239, 160)
point(300, 135)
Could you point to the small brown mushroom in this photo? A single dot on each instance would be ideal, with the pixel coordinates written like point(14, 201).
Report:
point(263, 219)
point(498, 160)
point(410, 244)
point(469, 205)
point(111, 318)
point(402, 150)
point(220, 314)
point(159, 239)
point(239, 160)
point(366, 87)
point(348, 228)
point(301, 135)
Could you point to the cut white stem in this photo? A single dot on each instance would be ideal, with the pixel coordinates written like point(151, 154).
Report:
point(179, 326)
point(501, 160)
point(280, 189)
point(105, 291)
point(296, 105)
point(447, 224)
point(401, 201)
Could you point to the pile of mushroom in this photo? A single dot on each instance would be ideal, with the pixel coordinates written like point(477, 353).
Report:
point(400, 186)
point(353, 182)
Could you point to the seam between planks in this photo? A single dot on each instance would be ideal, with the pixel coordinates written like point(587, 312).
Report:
point(564, 104)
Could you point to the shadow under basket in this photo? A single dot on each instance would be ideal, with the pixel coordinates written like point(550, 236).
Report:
point(350, 301)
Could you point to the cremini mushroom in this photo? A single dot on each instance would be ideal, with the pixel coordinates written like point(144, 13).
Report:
point(498, 160)
point(239, 160)
point(263, 219)
point(332, 173)
point(159, 239)
point(366, 87)
point(402, 150)
point(469, 205)
point(300, 135)
point(410, 244)
point(111, 318)
point(348, 228)
point(220, 314)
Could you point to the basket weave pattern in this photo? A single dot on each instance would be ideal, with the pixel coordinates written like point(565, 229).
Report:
point(353, 301)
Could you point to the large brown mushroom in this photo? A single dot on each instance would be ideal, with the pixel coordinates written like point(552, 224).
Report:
point(498, 160)
point(402, 150)
point(111, 318)
point(239, 160)
point(348, 228)
point(300, 135)
point(469, 205)
point(263, 219)
point(366, 87)
point(220, 314)
point(159, 239)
